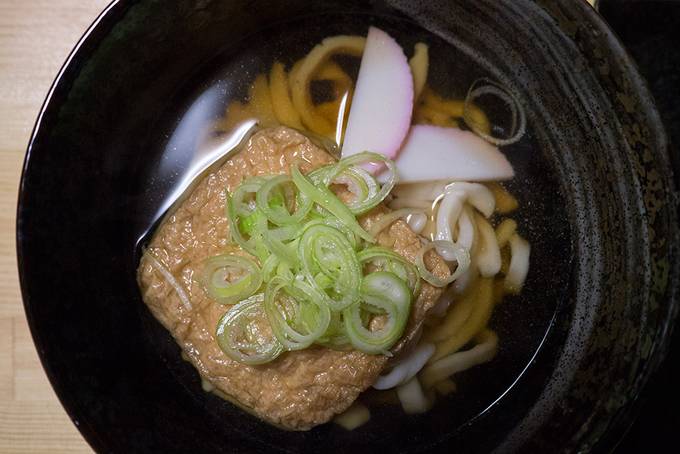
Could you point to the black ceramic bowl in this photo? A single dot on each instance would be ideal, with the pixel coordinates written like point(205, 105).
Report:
point(596, 188)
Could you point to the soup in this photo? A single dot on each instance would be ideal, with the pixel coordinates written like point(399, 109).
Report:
point(357, 235)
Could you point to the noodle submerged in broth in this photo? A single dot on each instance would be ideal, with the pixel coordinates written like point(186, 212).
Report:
point(314, 253)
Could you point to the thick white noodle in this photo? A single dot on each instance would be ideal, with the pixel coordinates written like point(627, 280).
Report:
point(456, 223)
point(417, 222)
point(355, 416)
point(412, 398)
point(447, 217)
point(467, 278)
point(451, 211)
point(476, 195)
point(426, 190)
point(466, 229)
point(488, 254)
point(519, 264)
point(407, 368)
point(460, 361)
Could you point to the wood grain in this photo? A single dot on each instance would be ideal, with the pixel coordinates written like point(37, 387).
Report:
point(36, 36)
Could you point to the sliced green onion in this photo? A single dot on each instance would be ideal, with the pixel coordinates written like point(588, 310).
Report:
point(312, 254)
point(239, 336)
point(324, 197)
point(375, 197)
point(386, 292)
point(336, 224)
point(394, 263)
point(289, 232)
point(274, 245)
point(248, 223)
point(215, 278)
point(324, 249)
point(296, 313)
point(238, 197)
point(236, 211)
point(269, 267)
point(335, 336)
point(362, 185)
point(318, 176)
point(278, 214)
point(486, 86)
point(273, 266)
point(359, 182)
point(461, 254)
point(285, 271)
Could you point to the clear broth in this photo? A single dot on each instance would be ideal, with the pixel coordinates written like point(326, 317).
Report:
point(521, 322)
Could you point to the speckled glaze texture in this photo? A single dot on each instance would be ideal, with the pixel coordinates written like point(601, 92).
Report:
point(637, 292)
point(593, 170)
point(596, 120)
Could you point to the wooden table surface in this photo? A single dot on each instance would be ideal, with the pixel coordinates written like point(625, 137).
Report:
point(35, 39)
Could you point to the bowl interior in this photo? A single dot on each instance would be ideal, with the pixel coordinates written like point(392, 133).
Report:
point(127, 120)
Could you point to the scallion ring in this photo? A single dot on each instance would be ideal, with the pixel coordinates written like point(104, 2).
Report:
point(239, 337)
point(393, 263)
point(332, 222)
point(485, 86)
point(389, 294)
point(284, 251)
point(295, 312)
point(279, 214)
point(373, 197)
point(335, 337)
point(325, 251)
point(461, 254)
point(249, 186)
point(238, 212)
point(327, 200)
point(216, 274)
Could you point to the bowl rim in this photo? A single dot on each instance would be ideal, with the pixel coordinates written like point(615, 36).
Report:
point(89, 433)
